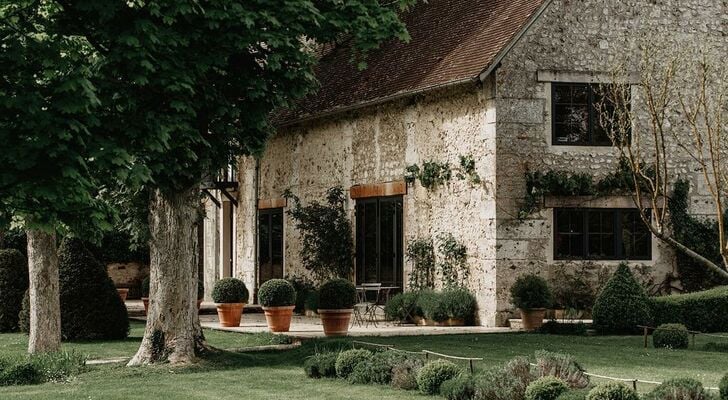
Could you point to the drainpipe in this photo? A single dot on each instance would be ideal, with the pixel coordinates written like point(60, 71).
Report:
point(256, 189)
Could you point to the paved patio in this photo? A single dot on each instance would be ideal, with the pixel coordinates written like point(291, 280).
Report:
point(310, 327)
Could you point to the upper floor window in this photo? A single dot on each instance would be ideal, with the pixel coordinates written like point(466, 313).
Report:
point(575, 115)
point(600, 234)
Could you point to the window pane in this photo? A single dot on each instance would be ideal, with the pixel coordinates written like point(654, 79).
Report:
point(601, 234)
point(571, 123)
point(636, 237)
point(569, 238)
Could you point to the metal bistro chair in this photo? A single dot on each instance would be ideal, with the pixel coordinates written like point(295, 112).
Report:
point(365, 309)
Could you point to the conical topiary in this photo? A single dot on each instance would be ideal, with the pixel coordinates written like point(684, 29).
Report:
point(621, 305)
point(90, 305)
point(13, 284)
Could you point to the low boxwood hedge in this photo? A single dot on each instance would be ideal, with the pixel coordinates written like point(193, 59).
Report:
point(679, 389)
point(699, 311)
point(546, 388)
point(321, 365)
point(612, 391)
point(434, 374)
point(671, 336)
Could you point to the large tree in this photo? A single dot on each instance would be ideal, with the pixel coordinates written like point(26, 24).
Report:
point(191, 85)
point(49, 178)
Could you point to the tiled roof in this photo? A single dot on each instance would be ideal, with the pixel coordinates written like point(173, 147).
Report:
point(451, 41)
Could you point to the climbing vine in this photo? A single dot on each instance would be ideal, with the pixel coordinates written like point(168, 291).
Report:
point(421, 253)
point(453, 266)
point(433, 174)
point(562, 183)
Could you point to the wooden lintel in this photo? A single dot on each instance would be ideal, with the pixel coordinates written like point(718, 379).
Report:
point(595, 202)
point(394, 188)
point(265, 204)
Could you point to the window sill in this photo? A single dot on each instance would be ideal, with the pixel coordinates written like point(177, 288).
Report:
point(595, 202)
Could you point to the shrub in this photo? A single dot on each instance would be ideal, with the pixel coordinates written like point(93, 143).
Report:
point(531, 291)
point(276, 293)
point(574, 395)
point(13, 284)
point(519, 368)
point(461, 387)
point(22, 373)
point(557, 328)
point(90, 305)
point(498, 384)
point(337, 294)
point(432, 306)
point(562, 366)
point(303, 287)
point(621, 305)
point(145, 287)
point(699, 311)
point(347, 360)
point(404, 374)
point(321, 365)
point(546, 388)
point(459, 303)
point(230, 290)
point(723, 387)
point(379, 368)
point(671, 336)
point(679, 389)
point(50, 367)
point(434, 373)
point(14, 239)
point(612, 391)
point(312, 301)
point(402, 307)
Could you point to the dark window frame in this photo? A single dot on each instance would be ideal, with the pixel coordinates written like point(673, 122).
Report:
point(593, 118)
point(397, 233)
point(617, 229)
point(269, 213)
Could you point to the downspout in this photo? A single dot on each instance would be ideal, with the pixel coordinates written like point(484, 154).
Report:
point(256, 191)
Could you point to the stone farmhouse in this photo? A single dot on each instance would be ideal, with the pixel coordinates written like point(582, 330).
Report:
point(493, 81)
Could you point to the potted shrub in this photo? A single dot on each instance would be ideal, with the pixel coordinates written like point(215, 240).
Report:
point(460, 306)
point(200, 293)
point(123, 293)
point(145, 294)
point(230, 296)
point(336, 299)
point(433, 308)
point(278, 298)
point(531, 294)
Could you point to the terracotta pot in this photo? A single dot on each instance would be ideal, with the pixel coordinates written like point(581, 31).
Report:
point(229, 313)
point(559, 313)
point(532, 319)
point(417, 320)
point(455, 322)
point(336, 322)
point(123, 292)
point(279, 318)
point(145, 300)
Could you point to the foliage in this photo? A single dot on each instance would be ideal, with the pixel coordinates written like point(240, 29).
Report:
point(38, 368)
point(14, 238)
point(431, 376)
point(498, 384)
point(459, 303)
point(563, 183)
point(303, 287)
point(145, 287)
point(622, 304)
point(574, 395)
point(573, 286)
point(378, 369)
point(431, 175)
point(699, 311)
point(91, 308)
point(337, 294)
point(562, 366)
point(520, 369)
point(432, 305)
point(327, 246)
point(467, 170)
point(13, 284)
point(312, 301)
point(276, 293)
point(546, 388)
point(118, 247)
point(402, 307)
point(404, 374)
point(461, 387)
point(699, 235)
point(554, 327)
point(321, 365)
point(421, 253)
point(723, 387)
point(347, 360)
point(612, 391)
point(671, 336)
point(679, 389)
point(530, 291)
point(230, 290)
point(453, 266)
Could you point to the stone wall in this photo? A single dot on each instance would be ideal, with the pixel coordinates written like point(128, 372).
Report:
point(580, 40)
point(374, 146)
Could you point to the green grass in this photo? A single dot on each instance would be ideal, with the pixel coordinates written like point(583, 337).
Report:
point(278, 375)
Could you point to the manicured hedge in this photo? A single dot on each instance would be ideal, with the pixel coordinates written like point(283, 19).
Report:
point(276, 293)
point(13, 284)
point(337, 294)
point(546, 388)
point(622, 305)
point(671, 336)
point(230, 290)
point(434, 374)
point(699, 311)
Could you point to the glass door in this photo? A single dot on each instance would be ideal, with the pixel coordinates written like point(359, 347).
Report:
point(270, 244)
point(379, 241)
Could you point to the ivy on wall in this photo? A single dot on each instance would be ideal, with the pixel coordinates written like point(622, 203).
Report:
point(449, 264)
point(433, 174)
point(421, 253)
point(453, 266)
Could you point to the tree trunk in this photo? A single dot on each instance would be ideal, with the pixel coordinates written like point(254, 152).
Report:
point(44, 293)
point(173, 331)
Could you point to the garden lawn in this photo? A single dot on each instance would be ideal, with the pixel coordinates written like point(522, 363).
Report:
point(279, 375)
